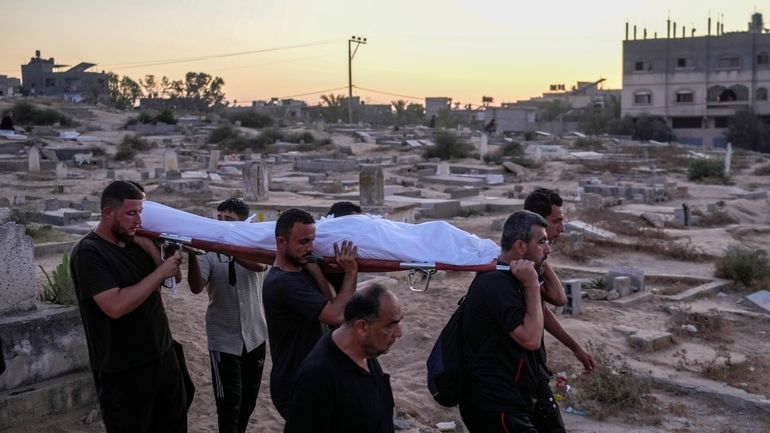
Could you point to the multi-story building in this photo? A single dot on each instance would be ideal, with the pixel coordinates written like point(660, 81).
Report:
point(39, 78)
point(696, 83)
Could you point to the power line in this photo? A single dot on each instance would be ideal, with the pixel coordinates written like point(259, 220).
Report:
point(304, 94)
point(133, 65)
point(389, 93)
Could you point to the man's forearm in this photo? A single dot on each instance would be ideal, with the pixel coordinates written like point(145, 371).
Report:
point(552, 325)
point(553, 291)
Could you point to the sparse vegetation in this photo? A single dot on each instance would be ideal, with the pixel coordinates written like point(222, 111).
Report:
point(708, 326)
point(763, 170)
point(28, 114)
point(448, 146)
point(706, 170)
point(250, 119)
point(589, 144)
point(743, 265)
point(165, 115)
point(59, 288)
point(130, 146)
point(612, 389)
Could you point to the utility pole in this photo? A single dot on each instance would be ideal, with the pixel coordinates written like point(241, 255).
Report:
point(351, 53)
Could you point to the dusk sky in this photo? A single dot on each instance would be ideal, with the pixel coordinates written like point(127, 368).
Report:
point(461, 49)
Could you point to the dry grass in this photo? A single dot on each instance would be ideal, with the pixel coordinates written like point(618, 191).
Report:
point(710, 326)
point(763, 170)
point(612, 389)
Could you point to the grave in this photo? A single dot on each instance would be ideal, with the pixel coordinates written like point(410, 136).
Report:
point(371, 186)
point(760, 299)
point(44, 346)
point(573, 290)
point(255, 181)
point(34, 160)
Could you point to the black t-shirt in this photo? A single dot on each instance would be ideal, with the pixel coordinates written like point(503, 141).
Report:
point(332, 394)
point(134, 339)
point(292, 303)
point(503, 377)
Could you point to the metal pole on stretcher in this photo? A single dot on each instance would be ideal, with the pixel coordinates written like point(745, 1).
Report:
point(425, 269)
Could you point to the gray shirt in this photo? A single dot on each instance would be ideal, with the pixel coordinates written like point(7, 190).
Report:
point(234, 317)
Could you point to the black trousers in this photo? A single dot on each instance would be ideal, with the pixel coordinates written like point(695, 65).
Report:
point(543, 417)
point(236, 381)
point(146, 399)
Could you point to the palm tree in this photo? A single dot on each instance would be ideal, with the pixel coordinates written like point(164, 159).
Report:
point(332, 100)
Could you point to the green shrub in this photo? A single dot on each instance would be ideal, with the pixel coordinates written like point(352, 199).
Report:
point(130, 146)
point(145, 117)
point(222, 133)
point(708, 170)
point(25, 113)
point(448, 146)
point(59, 288)
point(251, 119)
point(271, 135)
point(743, 265)
point(166, 116)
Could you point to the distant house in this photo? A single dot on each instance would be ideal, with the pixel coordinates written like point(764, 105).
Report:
point(38, 78)
point(9, 86)
point(435, 104)
point(696, 83)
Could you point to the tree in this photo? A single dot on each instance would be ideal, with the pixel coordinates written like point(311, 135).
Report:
point(747, 131)
point(600, 120)
point(552, 110)
point(332, 100)
point(333, 111)
point(124, 92)
point(201, 85)
point(150, 86)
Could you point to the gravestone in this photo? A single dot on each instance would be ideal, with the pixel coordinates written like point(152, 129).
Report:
point(214, 160)
point(61, 170)
point(728, 159)
point(591, 201)
point(255, 180)
point(622, 285)
point(34, 159)
point(371, 185)
point(574, 292)
point(170, 162)
point(442, 169)
point(483, 147)
point(636, 276)
point(17, 268)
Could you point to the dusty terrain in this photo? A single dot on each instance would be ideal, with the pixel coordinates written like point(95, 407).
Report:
point(686, 400)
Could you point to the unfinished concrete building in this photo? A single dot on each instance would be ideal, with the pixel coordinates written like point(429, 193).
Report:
point(39, 78)
point(696, 83)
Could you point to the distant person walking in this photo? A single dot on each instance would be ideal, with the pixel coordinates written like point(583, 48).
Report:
point(340, 386)
point(235, 325)
point(295, 305)
point(117, 278)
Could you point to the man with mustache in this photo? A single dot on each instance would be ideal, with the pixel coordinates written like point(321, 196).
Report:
point(340, 387)
point(295, 304)
point(503, 329)
point(117, 279)
point(548, 204)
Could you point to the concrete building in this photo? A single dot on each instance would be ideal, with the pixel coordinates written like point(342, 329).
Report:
point(9, 86)
point(582, 95)
point(697, 82)
point(512, 118)
point(435, 104)
point(38, 78)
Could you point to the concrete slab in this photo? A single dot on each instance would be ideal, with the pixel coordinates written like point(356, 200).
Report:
point(651, 341)
point(635, 299)
point(590, 230)
point(698, 291)
point(761, 299)
point(453, 180)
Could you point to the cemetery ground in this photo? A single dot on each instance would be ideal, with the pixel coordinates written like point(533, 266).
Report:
point(673, 358)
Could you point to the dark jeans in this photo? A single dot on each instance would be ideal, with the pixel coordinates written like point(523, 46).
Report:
point(481, 421)
point(236, 381)
point(543, 417)
point(146, 399)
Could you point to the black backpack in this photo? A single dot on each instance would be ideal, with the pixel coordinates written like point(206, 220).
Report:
point(447, 371)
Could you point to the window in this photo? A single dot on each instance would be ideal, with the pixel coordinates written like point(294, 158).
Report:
point(642, 66)
point(728, 62)
point(50, 82)
point(642, 98)
point(741, 92)
point(763, 58)
point(684, 63)
point(762, 94)
point(686, 122)
point(685, 97)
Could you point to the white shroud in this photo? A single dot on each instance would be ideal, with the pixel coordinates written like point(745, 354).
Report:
point(376, 237)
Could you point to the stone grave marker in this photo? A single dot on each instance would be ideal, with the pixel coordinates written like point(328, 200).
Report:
point(371, 186)
point(34, 159)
